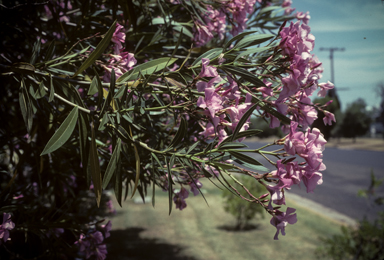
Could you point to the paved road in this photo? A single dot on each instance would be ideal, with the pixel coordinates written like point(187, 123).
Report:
point(347, 172)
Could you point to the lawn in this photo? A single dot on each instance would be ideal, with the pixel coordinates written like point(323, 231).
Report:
point(202, 232)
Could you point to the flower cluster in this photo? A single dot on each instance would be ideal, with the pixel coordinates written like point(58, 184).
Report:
point(5, 227)
point(220, 100)
point(236, 11)
point(92, 243)
point(120, 61)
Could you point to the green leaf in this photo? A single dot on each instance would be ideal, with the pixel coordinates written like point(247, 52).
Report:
point(110, 93)
point(25, 106)
point(40, 92)
point(118, 183)
point(242, 134)
point(137, 159)
point(242, 121)
point(234, 145)
point(253, 40)
point(147, 68)
point(245, 158)
point(252, 51)
point(51, 89)
point(237, 37)
point(104, 121)
point(244, 74)
point(63, 133)
point(95, 168)
point(35, 51)
point(225, 166)
point(211, 54)
point(112, 164)
point(121, 91)
point(50, 51)
point(100, 48)
point(179, 134)
point(99, 87)
point(170, 189)
point(192, 147)
point(84, 143)
point(93, 88)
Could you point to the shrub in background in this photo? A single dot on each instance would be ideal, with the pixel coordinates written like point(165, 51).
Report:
point(241, 209)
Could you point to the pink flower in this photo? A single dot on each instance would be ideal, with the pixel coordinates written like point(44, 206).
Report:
point(195, 186)
point(303, 17)
point(207, 71)
point(328, 118)
point(121, 63)
point(180, 197)
point(118, 38)
point(106, 228)
point(101, 252)
point(202, 34)
point(282, 219)
point(324, 87)
point(5, 227)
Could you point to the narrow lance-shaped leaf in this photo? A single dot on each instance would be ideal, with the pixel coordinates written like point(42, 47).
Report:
point(211, 54)
point(242, 134)
point(118, 183)
point(25, 106)
point(245, 158)
point(50, 51)
point(108, 98)
point(237, 37)
point(244, 74)
point(170, 189)
point(137, 158)
point(242, 121)
point(103, 44)
point(99, 87)
point(63, 133)
point(146, 68)
point(40, 92)
point(95, 168)
point(253, 40)
point(112, 164)
point(84, 143)
point(179, 134)
point(93, 88)
point(51, 89)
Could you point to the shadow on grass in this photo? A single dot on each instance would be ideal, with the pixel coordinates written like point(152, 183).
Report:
point(127, 244)
point(233, 228)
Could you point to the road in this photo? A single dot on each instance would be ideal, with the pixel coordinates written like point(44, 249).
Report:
point(347, 172)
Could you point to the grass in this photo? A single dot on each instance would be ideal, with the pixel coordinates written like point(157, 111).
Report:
point(200, 232)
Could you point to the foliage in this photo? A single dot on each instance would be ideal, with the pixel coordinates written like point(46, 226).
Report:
point(363, 242)
point(356, 120)
point(241, 209)
point(133, 95)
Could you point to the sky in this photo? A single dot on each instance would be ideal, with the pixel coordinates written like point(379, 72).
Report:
point(357, 26)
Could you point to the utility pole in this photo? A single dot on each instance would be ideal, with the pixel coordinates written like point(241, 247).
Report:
point(332, 92)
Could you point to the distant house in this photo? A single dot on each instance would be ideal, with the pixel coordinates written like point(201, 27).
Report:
point(376, 129)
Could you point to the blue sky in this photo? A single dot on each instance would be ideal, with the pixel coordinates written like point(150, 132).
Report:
point(358, 26)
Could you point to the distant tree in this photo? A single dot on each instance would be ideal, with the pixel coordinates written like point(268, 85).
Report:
point(356, 120)
point(380, 92)
point(241, 209)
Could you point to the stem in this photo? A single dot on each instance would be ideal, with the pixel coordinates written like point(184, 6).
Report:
point(61, 98)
